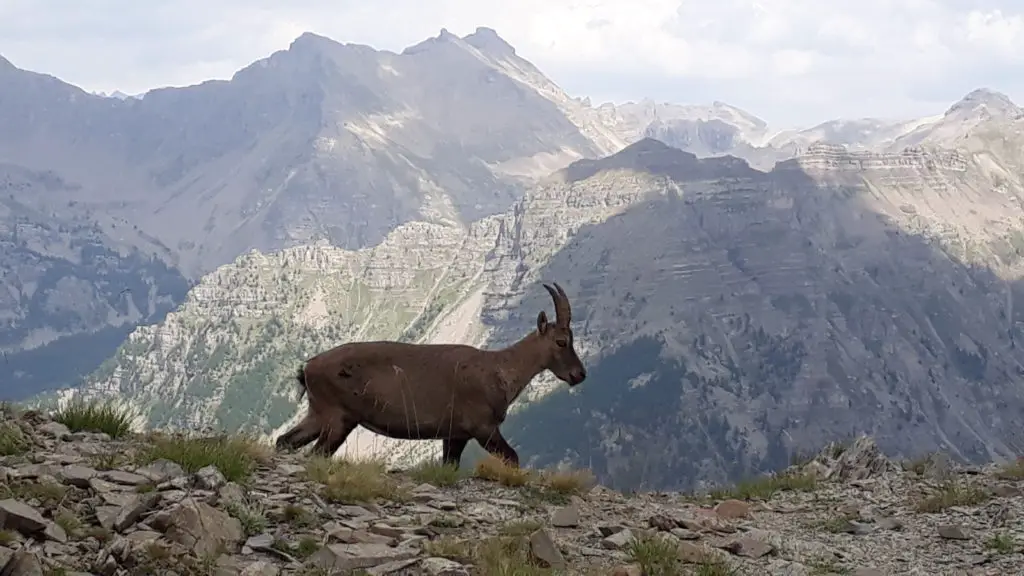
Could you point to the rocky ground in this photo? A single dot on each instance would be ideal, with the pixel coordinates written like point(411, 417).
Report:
point(77, 501)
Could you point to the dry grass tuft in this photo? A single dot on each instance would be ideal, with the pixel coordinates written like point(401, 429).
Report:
point(498, 470)
point(436, 473)
point(764, 487)
point(350, 482)
point(1012, 470)
point(953, 494)
point(12, 440)
point(568, 482)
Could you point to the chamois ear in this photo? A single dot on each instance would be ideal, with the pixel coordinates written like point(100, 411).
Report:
point(542, 322)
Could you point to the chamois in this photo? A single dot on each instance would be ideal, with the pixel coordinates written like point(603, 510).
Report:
point(451, 392)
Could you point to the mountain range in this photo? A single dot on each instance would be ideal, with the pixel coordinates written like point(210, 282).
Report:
point(740, 294)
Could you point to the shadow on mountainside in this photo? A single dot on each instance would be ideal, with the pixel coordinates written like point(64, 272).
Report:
point(765, 317)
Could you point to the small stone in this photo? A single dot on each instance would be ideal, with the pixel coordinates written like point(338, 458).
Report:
point(661, 522)
point(627, 570)
point(200, 527)
point(442, 567)
point(55, 532)
point(952, 532)
point(692, 553)
point(608, 529)
point(684, 534)
point(125, 478)
point(618, 540)
point(566, 517)
point(18, 516)
point(341, 557)
point(54, 430)
point(131, 511)
point(231, 493)
point(543, 548)
point(161, 470)
point(23, 564)
point(78, 476)
point(748, 547)
point(732, 509)
point(260, 568)
point(890, 524)
point(209, 478)
point(393, 568)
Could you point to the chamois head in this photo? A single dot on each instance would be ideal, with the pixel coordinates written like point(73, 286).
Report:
point(557, 335)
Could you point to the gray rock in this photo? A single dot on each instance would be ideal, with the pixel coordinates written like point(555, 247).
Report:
point(15, 515)
point(544, 549)
point(160, 471)
point(442, 567)
point(566, 517)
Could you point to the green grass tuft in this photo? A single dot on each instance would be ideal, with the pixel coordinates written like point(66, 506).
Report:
point(82, 416)
point(236, 457)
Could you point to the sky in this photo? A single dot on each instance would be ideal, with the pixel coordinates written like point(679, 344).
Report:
point(790, 62)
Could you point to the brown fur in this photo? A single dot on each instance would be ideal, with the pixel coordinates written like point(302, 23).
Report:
point(450, 392)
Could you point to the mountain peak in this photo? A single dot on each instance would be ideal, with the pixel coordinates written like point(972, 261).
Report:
point(488, 41)
point(309, 40)
point(985, 98)
point(443, 37)
point(653, 156)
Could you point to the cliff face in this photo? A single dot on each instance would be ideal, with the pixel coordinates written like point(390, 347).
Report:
point(73, 284)
point(742, 319)
point(729, 317)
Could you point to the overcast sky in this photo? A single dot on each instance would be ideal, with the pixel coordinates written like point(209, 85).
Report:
point(791, 62)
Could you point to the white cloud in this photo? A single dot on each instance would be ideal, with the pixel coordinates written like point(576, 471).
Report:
point(786, 60)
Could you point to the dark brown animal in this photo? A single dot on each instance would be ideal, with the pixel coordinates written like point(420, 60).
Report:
point(450, 392)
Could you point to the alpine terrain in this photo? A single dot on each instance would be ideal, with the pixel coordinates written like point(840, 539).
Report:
point(740, 295)
point(111, 207)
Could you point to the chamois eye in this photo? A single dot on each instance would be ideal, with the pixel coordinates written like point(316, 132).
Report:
point(562, 342)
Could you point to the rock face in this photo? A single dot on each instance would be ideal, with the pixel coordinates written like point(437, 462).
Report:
point(79, 502)
point(730, 318)
point(74, 283)
point(740, 318)
point(108, 204)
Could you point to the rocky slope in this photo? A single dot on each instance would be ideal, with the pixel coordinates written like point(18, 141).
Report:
point(74, 283)
point(75, 500)
point(739, 319)
point(319, 141)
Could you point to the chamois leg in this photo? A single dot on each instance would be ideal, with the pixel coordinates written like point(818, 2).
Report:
point(332, 436)
point(307, 430)
point(496, 444)
point(451, 450)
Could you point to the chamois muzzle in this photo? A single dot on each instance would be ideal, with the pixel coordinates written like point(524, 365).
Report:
point(577, 376)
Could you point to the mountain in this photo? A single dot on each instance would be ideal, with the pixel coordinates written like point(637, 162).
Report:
point(75, 282)
point(323, 140)
point(742, 319)
point(730, 318)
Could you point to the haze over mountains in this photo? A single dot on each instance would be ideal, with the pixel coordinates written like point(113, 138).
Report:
point(733, 309)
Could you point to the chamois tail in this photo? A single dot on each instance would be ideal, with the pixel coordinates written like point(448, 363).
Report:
point(300, 376)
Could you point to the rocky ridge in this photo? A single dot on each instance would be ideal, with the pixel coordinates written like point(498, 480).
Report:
point(74, 500)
